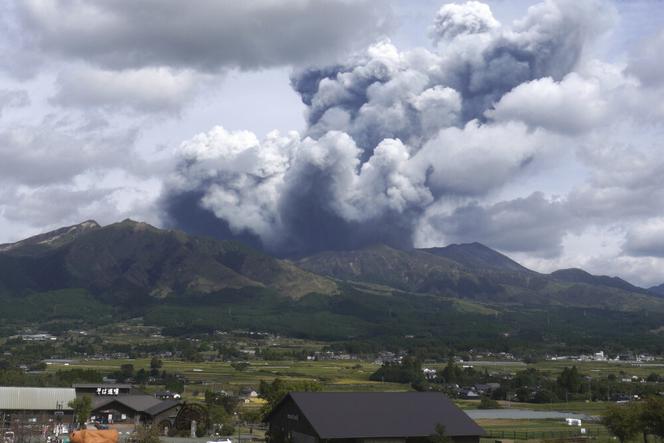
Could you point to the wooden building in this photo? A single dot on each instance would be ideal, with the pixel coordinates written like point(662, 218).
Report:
point(135, 409)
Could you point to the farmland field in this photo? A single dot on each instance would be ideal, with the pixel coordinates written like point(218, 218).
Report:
point(334, 375)
point(337, 375)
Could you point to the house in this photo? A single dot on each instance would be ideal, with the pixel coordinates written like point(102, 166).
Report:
point(400, 417)
point(135, 409)
point(469, 394)
point(486, 388)
point(247, 393)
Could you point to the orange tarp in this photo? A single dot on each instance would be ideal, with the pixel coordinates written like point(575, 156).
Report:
point(94, 436)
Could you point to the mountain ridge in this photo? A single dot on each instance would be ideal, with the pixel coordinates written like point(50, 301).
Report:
point(476, 254)
point(132, 260)
point(465, 295)
point(48, 240)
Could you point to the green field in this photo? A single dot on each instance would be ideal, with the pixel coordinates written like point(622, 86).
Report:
point(538, 429)
point(342, 375)
point(353, 375)
point(334, 375)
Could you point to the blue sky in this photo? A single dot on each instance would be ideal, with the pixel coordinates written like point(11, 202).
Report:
point(533, 127)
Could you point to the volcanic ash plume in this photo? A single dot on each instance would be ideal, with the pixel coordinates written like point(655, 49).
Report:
point(391, 136)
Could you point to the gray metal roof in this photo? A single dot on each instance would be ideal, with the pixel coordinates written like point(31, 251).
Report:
point(35, 399)
point(382, 414)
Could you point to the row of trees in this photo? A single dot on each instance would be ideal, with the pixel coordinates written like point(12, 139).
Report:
point(64, 378)
point(530, 385)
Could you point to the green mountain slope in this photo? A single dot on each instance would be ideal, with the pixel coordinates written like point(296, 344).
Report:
point(477, 256)
point(473, 271)
point(135, 263)
point(461, 295)
point(574, 275)
point(415, 271)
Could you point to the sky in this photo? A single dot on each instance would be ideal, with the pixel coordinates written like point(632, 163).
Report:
point(299, 126)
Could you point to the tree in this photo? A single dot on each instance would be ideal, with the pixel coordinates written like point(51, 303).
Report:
point(488, 403)
point(544, 396)
point(155, 365)
point(652, 416)
point(173, 384)
point(146, 434)
point(274, 392)
point(141, 376)
point(229, 402)
point(452, 373)
point(622, 421)
point(82, 407)
point(218, 415)
point(408, 371)
point(439, 435)
point(653, 377)
point(126, 371)
point(570, 380)
point(240, 366)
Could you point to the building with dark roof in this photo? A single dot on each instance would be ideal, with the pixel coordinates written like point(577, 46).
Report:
point(22, 407)
point(311, 417)
point(135, 409)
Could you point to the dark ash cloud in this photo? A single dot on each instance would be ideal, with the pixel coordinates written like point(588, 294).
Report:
point(393, 135)
point(533, 224)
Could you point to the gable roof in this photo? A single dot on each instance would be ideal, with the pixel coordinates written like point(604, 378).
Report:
point(161, 407)
point(36, 399)
point(139, 403)
point(382, 414)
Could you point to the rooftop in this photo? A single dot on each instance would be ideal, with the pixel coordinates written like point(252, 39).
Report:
point(35, 399)
point(382, 414)
point(139, 403)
